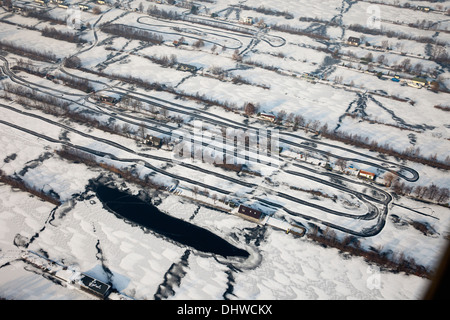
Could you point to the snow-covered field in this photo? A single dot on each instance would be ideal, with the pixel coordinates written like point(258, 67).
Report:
point(84, 235)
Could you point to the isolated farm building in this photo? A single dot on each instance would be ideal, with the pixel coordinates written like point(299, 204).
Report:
point(354, 41)
point(353, 171)
point(106, 99)
point(187, 67)
point(267, 116)
point(83, 7)
point(424, 9)
point(177, 43)
point(366, 175)
point(153, 141)
point(419, 81)
point(94, 286)
point(249, 20)
point(250, 213)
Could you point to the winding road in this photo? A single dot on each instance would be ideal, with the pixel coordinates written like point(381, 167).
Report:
point(376, 203)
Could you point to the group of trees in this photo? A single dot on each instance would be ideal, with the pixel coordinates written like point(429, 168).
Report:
point(160, 13)
point(397, 262)
point(132, 33)
point(164, 60)
point(127, 174)
point(31, 98)
point(431, 192)
point(52, 32)
point(76, 83)
point(16, 182)
point(34, 54)
point(297, 31)
point(392, 34)
point(297, 121)
point(269, 11)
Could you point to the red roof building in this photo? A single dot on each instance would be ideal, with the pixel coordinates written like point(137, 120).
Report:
point(366, 174)
point(249, 212)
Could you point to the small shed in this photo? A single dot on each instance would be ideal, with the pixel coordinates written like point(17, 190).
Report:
point(248, 212)
point(153, 141)
point(267, 116)
point(187, 67)
point(366, 174)
point(354, 41)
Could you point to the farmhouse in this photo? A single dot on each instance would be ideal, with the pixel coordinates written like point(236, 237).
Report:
point(249, 213)
point(178, 43)
point(424, 9)
point(267, 116)
point(83, 7)
point(419, 81)
point(153, 141)
point(354, 41)
point(106, 99)
point(366, 175)
point(249, 20)
point(186, 67)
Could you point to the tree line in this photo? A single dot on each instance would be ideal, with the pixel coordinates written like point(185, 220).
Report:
point(34, 54)
point(18, 183)
point(52, 32)
point(431, 192)
point(132, 33)
point(388, 259)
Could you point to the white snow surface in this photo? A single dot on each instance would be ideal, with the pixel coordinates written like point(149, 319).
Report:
point(84, 235)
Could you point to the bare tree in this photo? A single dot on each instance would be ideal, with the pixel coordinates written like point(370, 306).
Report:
point(195, 190)
point(341, 163)
point(389, 178)
point(381, 59)
point(444, 195)
point(280, 116)
point(433, 191)
point(418, 191)
point(298, 121)
point(250, 109)
point(199, 44)
point(142, 131)
point(418, 68)
point(96, 10)
point(236, 56)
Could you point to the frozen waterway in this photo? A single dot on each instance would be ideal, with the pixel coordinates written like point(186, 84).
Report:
point(146, 215)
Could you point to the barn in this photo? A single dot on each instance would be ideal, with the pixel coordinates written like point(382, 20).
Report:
point(354, 41)
point(153, 141)
point(249, 213)
point(366, 175)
